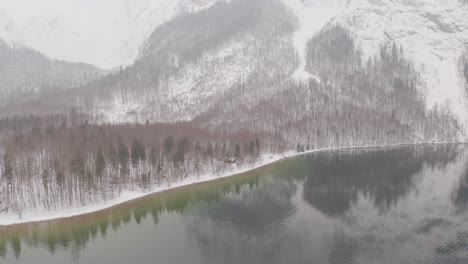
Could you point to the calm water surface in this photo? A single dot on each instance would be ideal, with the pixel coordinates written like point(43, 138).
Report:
point(405, 205)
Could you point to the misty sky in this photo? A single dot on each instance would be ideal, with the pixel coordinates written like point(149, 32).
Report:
point(106, 33)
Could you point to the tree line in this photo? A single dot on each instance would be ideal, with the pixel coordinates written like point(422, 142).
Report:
point(53, 167)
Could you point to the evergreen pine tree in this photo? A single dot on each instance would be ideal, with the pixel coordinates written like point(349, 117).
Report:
point(59, 176)
point(123, 157)
point(7, 169)
point(153, 157)
point(251, 148)
point(100, 163)
point(237, 151)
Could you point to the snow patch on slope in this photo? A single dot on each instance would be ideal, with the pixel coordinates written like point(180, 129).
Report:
point(216, 72)
point(313, 15)
point(120, 109)
point(188, 92)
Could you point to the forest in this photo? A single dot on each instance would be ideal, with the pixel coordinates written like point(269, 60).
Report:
point(71, 154)
point(58, 165)
point(357, 102)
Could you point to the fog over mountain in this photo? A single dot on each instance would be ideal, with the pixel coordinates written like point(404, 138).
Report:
point(105, 33)
point(26, 73)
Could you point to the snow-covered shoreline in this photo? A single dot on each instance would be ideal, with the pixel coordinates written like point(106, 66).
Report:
point(11, 219)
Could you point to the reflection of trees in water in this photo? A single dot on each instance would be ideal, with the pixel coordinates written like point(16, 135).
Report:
point(3, 249)
point(461, 194)
point(255, 209)
point(74, 234)
point(439, 156)
point(343, 249)
point(336, 178)
point(253, 228)
point(238, 228)
point(15, 245)
point(333, 183)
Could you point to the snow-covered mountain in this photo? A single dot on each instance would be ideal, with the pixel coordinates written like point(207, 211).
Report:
point(289, 63)
point(433, 34)
point(105, 33)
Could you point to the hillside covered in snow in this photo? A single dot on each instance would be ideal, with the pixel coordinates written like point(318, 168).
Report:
point(232, 63)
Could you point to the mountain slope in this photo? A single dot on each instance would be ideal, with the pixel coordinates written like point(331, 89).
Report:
point(25, 73)
point(256, 65)
point(434, 35)
point(354, 103)
point(188, 64)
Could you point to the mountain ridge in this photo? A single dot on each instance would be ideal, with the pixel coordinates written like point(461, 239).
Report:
point(26, 73)
point(247, 54)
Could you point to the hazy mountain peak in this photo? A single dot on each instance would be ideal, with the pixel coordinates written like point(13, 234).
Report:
point(7, 30)
point(105, 33)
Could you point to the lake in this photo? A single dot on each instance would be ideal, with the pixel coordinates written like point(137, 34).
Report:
point(399, 205)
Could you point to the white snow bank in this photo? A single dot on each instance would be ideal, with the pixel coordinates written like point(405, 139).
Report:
point(313, 16)
point(40, 216)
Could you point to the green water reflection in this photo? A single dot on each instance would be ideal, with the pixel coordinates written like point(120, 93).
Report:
point(401, 205)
